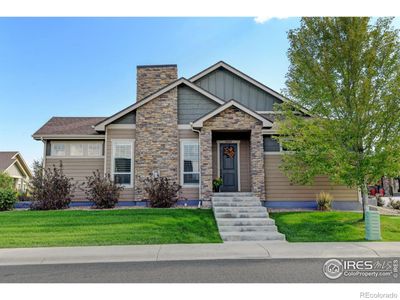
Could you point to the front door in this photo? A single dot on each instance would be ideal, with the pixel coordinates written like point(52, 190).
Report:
point(228, 167)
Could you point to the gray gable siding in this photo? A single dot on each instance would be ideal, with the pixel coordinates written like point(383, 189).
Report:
point(129, 118)
point(192, 105)
point(227, 86)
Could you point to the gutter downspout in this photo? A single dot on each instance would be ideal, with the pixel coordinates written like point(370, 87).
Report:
point(198, 131)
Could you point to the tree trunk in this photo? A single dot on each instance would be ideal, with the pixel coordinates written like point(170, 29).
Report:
point(364, 197)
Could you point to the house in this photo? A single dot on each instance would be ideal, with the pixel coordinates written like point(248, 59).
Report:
point(12, 163)
point(218, 123)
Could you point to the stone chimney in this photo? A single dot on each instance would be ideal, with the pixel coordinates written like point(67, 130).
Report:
point(151, 78)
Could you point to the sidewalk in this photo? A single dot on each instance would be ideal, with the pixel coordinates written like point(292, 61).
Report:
point(232, 250)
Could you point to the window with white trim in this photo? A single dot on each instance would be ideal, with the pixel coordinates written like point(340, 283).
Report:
point(95, 149)
point(122, 162)
point(271, 145)
point(58, 149)
point(76, 149)
point(190, 162)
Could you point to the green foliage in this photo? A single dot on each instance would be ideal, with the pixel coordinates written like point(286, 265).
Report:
point(346, 73)
point(217, 182)
point(324, 201)
point(102, 191)
point(6, 181)
point(50, 187)
point(8, 197)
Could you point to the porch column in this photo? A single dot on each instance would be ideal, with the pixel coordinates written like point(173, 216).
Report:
point(206, 164)
point(257, 162)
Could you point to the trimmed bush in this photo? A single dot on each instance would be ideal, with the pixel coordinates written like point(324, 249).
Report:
point(50, 188)
point(324, 201)
point(395, 204)
point(8, 197)
point(161, 192)
point(6, 181)
point(102, 190)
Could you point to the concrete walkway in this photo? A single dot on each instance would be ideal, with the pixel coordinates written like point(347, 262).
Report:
point(229, 250)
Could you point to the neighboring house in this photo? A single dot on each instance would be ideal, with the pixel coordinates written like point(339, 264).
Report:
point(12, 163)
point(217, 123)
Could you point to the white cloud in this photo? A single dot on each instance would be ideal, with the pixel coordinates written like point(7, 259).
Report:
point(263, 19)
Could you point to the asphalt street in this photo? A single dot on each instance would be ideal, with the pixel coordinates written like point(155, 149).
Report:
point(200, 271)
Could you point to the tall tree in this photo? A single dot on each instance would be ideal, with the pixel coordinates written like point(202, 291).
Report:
point(346, 73)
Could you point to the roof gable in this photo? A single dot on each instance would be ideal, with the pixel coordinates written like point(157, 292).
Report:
point(238, 86)
point(101, 126)
point(11, 158)
point(199, 122)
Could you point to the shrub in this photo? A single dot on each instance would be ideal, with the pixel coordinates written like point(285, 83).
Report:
point(379, 201)
point(161, 192)
point(8, 197)
point(395, 204)
point(6, 181)
point(324, 201)
point(24, 196)
point(50, 188)
point(102, 190)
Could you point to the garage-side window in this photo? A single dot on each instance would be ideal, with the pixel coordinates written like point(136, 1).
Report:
point(270, 144)
point(58, 149)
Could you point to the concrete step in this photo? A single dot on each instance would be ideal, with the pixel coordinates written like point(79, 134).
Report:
point(234, 194)
point(241, 215)
point(245, 221)
point(246, 198)
point(251, 236)
point(241, 228)
point(227, 203)
point(249, 209)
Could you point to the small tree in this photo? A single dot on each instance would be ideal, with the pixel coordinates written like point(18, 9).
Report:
point(346, 73)
point(161, 192)
point(102, 191)
point(50, 187)
point(6, 181)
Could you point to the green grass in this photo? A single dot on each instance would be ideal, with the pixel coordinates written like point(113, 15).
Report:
point(107, 227)
point(331, 226)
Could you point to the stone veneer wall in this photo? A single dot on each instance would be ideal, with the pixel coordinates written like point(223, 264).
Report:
point(157, 141)
point(232, 119)
point(152, 78)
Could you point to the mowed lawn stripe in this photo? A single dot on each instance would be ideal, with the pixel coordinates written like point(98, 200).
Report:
point(331, 226)
point(107, 227)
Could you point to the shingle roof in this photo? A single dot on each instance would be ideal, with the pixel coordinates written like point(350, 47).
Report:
point(70, 125)
point(6, 159)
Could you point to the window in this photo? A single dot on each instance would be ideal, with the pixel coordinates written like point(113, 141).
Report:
point(76, 149)
point(58, 149)
point(95, 149)
point(190, 162)
point(270, 144)
point(122, 162)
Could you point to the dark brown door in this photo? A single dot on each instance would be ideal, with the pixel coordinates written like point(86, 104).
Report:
point(229, 167)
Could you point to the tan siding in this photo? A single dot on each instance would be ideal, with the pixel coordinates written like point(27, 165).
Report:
point(278, 186)
point(190, 193)
point(245, 178)
point(78, 169)
point(14, 171)
point(188, 134)
point(128, 193)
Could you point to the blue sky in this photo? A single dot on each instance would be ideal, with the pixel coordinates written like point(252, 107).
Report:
point(87, 66)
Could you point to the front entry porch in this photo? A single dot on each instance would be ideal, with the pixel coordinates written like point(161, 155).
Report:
point(231, 160)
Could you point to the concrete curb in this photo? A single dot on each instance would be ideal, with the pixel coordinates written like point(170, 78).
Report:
point(179, 252)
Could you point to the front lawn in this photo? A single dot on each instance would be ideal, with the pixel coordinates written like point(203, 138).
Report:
point(331, 226)
point(107, 227)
